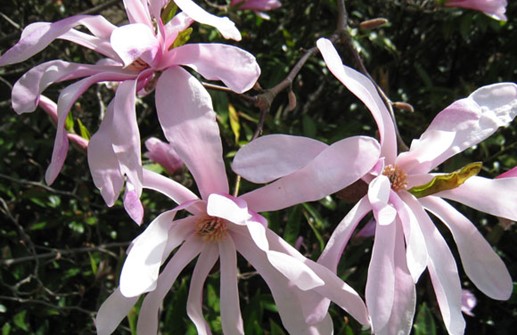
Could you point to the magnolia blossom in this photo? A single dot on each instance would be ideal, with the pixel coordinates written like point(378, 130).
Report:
point(136, 55)
point(493, 8)
point(468, 302)
point(220, 225)
point(401, 188)
point(163, 154)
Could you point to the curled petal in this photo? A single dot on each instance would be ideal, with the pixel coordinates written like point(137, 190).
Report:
point(273, 156)
point(132, 203)
point(364, 89)
point(223, 24)
point(483, 266)
point(235, 67)
point(37, 36)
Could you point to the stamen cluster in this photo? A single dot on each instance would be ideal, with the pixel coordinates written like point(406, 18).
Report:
point(211, 229)
point(397, 177)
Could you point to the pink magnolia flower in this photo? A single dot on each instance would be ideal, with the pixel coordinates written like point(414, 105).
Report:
point(220, 225)
point(493, 8)
point(406, 240)
point(163, 154)
point(256, 5)
point(135, 56)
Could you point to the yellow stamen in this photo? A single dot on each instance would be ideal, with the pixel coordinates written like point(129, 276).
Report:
point(211, 229)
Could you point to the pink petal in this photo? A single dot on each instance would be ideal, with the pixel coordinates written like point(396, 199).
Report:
point(379, 191)
point(510, 173)
point(297, 272)
point(97, 44)
point(486, 195)
point(134, 41)
point(333, 251)
point(37, 36)
point(494, 8)
point(442, 270)
point(403, 309)
point(380, 286)
point(148, 317)
point(132, 203)
point(463, 124)
point(222, 24)
point(334, 288)
point(125, 134)
point(204, 265)
point(103, 162)
point(333, 169)
point(228, 209)
point(112, 311)
point(287, 297)
point(273, 156)
point(416, 250)
point(256, 5)
point(163, 154)
point(189, 122)
point(364, 89)
point(231, 318)
point(138, 12)
point(235, 67)
point(483, 266)
point(174, 190)
point(66, 99)
point(27, 89)
point(142, 265)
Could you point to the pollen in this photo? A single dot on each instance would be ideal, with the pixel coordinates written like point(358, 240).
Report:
point(397, 177)
point(211, 229)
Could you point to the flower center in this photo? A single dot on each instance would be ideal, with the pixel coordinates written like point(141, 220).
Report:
point(397, 177)
point(211, 229)
point(138, 65)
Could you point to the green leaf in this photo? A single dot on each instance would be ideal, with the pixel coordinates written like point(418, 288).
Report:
point(182, 38)
point(168, 12)
point(93, 264)
point(447, 181)
point(69, 123)
point(234, 122)
point(20, 322)
point(292, 228)
point(424, 323)
point(83, 131)
point(6, 329)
